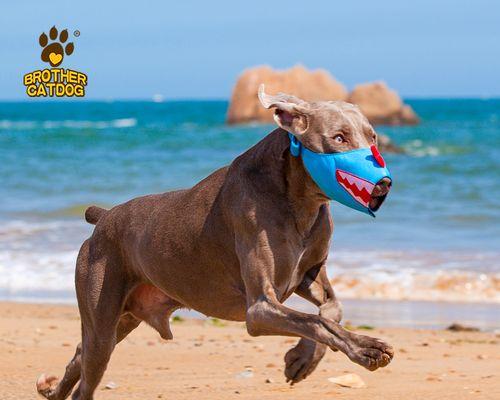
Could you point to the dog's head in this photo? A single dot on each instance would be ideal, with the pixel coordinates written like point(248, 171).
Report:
point(326, 127)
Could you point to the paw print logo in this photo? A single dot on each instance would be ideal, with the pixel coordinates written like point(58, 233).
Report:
point(54, 52)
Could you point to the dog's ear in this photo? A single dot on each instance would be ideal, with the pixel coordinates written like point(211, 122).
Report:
point(290, 112)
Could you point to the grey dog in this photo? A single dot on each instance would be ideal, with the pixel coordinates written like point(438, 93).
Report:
point(235, 246)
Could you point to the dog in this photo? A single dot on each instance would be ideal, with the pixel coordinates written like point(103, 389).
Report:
point(235, 246)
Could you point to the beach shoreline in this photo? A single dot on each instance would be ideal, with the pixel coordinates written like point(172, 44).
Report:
point(207, 358)
point(413, 314)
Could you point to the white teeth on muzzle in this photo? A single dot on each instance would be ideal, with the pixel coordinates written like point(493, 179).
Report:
point(359, 183)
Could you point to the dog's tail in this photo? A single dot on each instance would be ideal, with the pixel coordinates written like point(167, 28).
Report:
point(93, 214)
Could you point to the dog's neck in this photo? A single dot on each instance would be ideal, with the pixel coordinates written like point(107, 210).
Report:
point(284, 176)
point(305, 197)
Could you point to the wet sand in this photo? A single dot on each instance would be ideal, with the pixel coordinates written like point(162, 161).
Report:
point(206, 360)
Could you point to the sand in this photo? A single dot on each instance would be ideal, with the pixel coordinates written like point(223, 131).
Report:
point(206, 360)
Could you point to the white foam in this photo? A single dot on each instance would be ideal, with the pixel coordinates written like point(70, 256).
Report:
point(71, 124)
point(37, 260)
point(7, 124)
point(124, 123)
point(415, 276)
point(21, 230)
point(417, 148)
point(23, 272)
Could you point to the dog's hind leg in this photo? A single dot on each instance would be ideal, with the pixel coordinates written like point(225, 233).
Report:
point(302, 360)
point(101, 291)
point(50, 388)
point(145, 302)
point(102, 287)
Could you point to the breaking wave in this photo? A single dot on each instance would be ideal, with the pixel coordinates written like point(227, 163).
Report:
point(37, 261)
point(434, 276)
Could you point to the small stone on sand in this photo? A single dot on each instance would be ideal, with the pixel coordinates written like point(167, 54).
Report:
point(110, 385)
point(348, 380)
point(462, 328)
point(245, 374)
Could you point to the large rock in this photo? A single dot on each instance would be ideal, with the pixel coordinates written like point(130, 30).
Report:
point(386, 145)
point(381, 105)
point(308, 85)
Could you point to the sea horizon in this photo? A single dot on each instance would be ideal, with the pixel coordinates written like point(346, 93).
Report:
point(151, 99)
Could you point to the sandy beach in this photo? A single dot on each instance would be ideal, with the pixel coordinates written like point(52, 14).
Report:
point(218, 360)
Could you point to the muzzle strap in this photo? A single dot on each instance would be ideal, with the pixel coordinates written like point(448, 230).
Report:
point(295, 145)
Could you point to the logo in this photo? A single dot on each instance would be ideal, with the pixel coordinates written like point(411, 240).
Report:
point(54, 81)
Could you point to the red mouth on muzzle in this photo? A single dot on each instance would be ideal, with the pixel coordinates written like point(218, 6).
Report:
point(364, 192)
point(357, 187)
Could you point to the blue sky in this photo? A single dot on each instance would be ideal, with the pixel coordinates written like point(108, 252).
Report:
point(196, 49)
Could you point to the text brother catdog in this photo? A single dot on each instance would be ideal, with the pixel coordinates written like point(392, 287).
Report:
point(56, 82)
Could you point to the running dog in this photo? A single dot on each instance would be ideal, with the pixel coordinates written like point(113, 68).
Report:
point(235, 246)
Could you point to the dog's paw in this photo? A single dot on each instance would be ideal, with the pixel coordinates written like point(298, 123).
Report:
point(371, 353)
point(45, 385)
point(302, 360)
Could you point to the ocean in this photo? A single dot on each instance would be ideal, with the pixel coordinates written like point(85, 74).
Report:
point(437, 237)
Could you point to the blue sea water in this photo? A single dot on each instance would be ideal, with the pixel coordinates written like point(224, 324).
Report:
point(437, 237)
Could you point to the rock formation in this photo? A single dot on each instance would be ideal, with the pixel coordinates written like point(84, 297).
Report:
point(380, 104)
point(308, 85)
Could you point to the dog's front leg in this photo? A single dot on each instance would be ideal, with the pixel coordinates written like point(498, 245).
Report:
point(302, 360)
point(267, 316)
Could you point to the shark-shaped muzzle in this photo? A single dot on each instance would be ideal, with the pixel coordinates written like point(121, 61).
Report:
point(349, 177)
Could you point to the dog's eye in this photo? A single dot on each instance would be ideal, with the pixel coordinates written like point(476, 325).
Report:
point(339, 139)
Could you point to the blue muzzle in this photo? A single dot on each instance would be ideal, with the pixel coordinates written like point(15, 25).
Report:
point(348, 177)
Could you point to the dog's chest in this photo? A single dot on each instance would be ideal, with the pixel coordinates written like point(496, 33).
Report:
point(312, 254)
